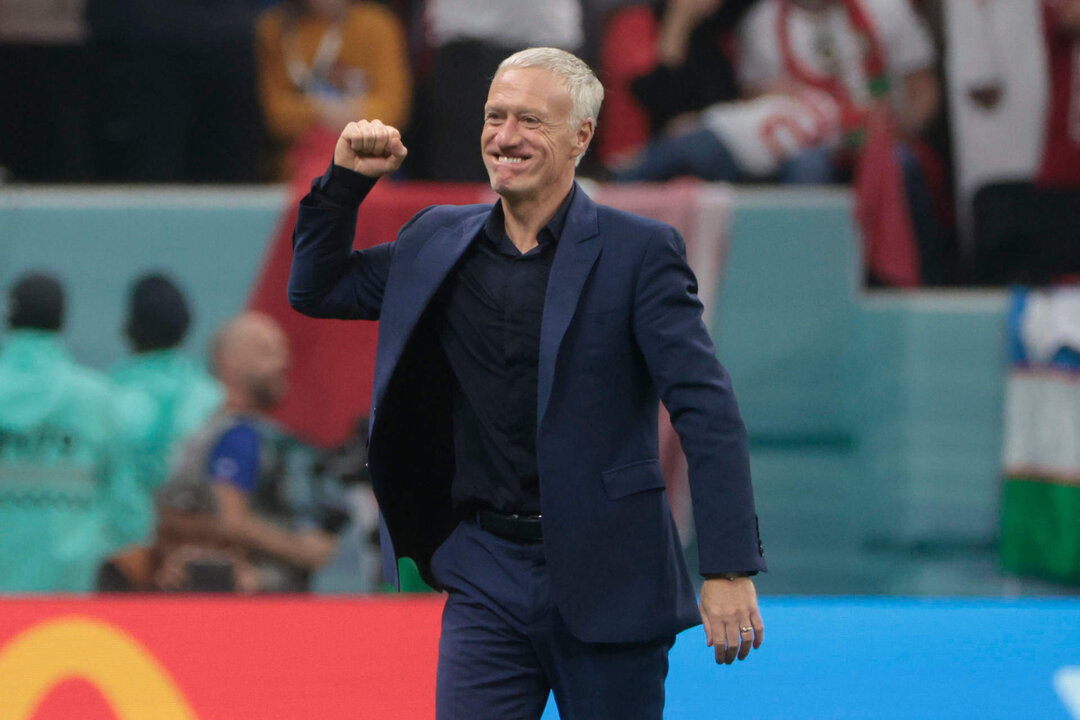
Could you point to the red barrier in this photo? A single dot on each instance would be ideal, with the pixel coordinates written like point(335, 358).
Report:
point(218, 659)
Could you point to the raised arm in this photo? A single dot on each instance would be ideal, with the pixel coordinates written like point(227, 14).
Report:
point(328, 278)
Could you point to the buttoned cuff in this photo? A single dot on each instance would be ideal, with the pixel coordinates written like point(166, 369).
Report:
point(730, 575)
point(344, 187)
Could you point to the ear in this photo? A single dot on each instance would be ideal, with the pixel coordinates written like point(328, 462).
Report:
point(583, 137)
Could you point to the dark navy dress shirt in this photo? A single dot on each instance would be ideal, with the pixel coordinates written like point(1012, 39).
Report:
point(492, 305)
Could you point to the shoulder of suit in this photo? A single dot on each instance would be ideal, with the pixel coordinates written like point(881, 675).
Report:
point(435, 217)
point(627, 225)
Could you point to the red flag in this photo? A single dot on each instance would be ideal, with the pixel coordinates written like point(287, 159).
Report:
point(333, 362)
point(881, 207)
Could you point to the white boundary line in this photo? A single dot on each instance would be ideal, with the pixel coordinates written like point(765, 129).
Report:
point(1067, 684)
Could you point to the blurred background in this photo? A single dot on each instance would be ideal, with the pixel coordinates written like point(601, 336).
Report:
point(880, 198)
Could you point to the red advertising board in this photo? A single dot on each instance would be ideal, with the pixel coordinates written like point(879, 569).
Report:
point(218, 659)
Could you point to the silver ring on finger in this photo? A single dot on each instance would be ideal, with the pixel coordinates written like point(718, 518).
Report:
point(746, 629)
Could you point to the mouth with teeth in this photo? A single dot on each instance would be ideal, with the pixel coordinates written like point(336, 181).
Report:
point(507, 159)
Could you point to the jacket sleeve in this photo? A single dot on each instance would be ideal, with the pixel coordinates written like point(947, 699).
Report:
point(697, 392)
point(329, 279)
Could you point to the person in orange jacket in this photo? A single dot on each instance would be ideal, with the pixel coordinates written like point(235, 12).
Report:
point(327, 62)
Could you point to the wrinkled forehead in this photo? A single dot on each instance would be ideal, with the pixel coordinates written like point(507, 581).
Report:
point(531, 86)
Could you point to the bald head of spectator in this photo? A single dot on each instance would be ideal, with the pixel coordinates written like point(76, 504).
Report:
point(251, 358)
point(36, 302)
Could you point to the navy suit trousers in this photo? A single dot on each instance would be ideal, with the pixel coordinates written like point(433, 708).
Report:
point(504, 645)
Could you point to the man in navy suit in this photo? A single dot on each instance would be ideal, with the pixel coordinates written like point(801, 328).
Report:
point(523, 348)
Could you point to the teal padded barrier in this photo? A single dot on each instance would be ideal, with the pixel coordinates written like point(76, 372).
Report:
point(874, 418)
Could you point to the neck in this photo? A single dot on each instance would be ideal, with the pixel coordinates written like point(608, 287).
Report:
point(238, 403)
point(525, 217)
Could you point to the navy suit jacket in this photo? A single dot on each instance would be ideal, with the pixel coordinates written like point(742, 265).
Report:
point(621, 329)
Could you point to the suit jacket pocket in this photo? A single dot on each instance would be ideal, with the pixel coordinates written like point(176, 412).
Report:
point(633, 478)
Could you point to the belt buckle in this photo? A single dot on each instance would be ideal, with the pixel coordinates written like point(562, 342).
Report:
point(514, 527)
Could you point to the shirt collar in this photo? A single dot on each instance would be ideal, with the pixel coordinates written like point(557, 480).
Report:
point(495, 227)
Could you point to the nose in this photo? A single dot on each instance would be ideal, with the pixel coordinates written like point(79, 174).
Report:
point(508, 134)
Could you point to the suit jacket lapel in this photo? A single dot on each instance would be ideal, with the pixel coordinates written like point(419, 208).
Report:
point(413, 293)
point(577, 251)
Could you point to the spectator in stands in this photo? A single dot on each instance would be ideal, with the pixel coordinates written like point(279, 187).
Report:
point(65, 484)
point(329, 62)
point(163, 394)
point(813, 71)
point(178, 99)
point(1025, 231)
point(1060, 166)
point(44, 91)
point(694, 53)
point(229, 455)
point(471, 38)
point(810, 70)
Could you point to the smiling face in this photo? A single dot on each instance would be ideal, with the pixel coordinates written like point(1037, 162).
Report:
point(529, 143)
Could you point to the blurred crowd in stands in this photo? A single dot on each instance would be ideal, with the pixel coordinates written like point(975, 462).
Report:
point(164, 476)
point(159, 476)
point(784, 91)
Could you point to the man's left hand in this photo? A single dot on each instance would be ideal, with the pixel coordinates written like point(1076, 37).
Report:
point(733, 624)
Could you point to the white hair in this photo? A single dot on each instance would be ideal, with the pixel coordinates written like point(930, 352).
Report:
point(586, 91)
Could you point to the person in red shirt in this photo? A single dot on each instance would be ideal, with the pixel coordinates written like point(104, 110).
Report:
point(1060, 166)
point(1027, 231)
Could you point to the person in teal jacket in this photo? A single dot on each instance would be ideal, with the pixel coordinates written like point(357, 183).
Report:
point(164, 395)
point(66, 485)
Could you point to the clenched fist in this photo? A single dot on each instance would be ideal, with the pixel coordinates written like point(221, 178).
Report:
point(370, 148)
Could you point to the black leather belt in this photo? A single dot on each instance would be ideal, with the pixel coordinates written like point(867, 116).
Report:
point(520, 528)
